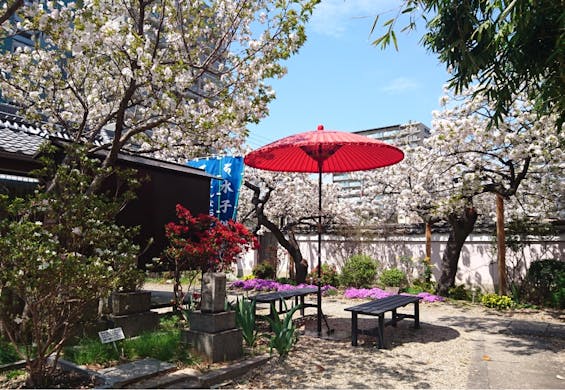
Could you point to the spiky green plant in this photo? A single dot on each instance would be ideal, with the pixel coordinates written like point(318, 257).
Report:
point(245, 320)
point(284, 331)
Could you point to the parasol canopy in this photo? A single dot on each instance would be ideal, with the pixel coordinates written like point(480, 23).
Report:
point(323, 151)
point(338, 151)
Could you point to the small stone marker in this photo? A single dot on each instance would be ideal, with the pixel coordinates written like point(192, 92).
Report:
point(110, 335)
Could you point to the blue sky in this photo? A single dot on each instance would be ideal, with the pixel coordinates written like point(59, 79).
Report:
point(340, 80)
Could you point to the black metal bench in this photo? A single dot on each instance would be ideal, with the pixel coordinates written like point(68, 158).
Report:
point(378, 308)
point(298, 294)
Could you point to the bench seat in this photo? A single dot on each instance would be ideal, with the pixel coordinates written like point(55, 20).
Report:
point(378, 308)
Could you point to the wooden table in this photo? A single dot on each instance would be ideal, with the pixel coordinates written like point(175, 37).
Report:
point(298, 294)
point(378, 308)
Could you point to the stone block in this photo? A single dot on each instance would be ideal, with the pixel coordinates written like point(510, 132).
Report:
point(135, 324)
point(212, 322)
point(216, 347)
point(213, 298)
point(130, 302)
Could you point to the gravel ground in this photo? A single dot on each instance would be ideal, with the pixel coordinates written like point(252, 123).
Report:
point(441, 354)
point(438, 355)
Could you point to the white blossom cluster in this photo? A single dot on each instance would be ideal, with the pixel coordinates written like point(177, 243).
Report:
point(178, 78)
point(465, 163)
point(294, 198)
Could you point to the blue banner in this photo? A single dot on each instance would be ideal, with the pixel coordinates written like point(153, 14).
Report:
point(224, 193)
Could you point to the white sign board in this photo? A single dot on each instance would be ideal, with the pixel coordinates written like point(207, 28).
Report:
point(107, 336)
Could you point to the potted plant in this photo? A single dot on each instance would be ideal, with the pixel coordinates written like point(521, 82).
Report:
point(206, 244)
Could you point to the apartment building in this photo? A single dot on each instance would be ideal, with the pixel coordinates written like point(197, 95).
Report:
point(409, 134)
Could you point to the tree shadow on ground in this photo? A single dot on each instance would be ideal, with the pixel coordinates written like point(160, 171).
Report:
point(326, 362)
point(522, 337)
point(403, 333)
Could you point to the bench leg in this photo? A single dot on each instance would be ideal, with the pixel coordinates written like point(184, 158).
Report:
point(354, 329)
point(394, 318)
point(380, 331)
point(302, 305)
point(416, 314)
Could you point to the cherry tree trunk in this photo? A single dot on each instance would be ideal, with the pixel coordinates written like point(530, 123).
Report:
point(461, 226)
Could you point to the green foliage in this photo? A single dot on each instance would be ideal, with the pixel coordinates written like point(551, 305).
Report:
point(284, 332)
point(13, 374)
point(358, 271)
point(286, 281)
point(460, 292)
point(502, 46)
point(393, 278)
point(7, 353)
point(60, 252)
point(329, 275)
point(163, 345)
point(91, 351)
point(495, 301)
point(264, 270)
point(245, 320)
point(423, 286)
point(544, 283)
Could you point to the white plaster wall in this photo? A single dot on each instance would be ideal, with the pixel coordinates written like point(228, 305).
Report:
point(477, 264)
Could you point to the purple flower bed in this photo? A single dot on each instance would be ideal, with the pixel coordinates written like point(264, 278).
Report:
point(271, 285)
point(350, 293)
point(377, 293)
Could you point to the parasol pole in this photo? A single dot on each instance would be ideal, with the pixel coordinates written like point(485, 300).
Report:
point(320, 163)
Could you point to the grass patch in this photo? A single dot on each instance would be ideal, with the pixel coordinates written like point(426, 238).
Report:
point(163, 345)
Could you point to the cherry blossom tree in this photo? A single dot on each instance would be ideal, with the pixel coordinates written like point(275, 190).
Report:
point(175, 79)
point(8, 9)
point(284, 203)
point(464, 160)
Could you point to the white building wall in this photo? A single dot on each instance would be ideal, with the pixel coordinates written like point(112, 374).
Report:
point(477, 263)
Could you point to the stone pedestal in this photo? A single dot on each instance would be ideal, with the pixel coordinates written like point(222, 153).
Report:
point(211, 322)
point(130, 302)
point(136, 323)
point(131, 311)
point(216, 347)
point(213, 332)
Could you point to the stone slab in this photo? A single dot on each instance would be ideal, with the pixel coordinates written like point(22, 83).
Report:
point(123, 374)
point(135, 324)
point(212, 322)
point(216, 347)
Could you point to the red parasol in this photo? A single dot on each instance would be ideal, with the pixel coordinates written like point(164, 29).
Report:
point(323, 152)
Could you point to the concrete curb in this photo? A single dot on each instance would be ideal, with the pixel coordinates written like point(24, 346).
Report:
point(190, 378)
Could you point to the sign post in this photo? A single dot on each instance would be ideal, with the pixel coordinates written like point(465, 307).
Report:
point(111, 336)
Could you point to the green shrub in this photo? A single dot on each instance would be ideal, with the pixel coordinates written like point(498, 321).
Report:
point(544, 283)
point(495, 301)
point(329, 275)
point(359, 271)
point(460, 292)
point(8, 353)
point(393, 278)
point(424, 286)
point(286, 281)
point(264, 271)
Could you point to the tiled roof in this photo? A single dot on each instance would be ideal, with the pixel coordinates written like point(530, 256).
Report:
point(18, 137)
